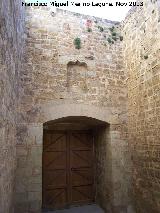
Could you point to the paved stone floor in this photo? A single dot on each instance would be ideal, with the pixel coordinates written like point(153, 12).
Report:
point(80, 209)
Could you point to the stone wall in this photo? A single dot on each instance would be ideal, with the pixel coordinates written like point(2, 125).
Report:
point(104, 186)
point(11, 52)
point(141, 31)
point(60, 80)
point(49, 50)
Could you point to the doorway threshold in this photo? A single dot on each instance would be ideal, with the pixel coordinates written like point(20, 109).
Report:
point(93, 208)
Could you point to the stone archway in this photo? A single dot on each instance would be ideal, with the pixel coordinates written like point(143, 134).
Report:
point(108, 149)
point(70, 157)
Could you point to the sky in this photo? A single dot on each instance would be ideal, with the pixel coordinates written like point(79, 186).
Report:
point(114, 13)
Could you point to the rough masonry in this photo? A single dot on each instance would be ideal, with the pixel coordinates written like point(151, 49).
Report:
point(11, 59)
point(141, 31)
point(66, 64)
point(57, 73)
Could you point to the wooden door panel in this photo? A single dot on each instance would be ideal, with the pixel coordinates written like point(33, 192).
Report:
point(56, 198)
point(82, 194)
point(55, 142)
point(81, 166)
point(81, 141)
point(82, 177)
point(67, 168)
point(55, 160)
point(81, 158)
point(55, 179)
point(55, 187)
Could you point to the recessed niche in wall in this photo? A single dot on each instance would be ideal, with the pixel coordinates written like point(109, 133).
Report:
point(76, 77)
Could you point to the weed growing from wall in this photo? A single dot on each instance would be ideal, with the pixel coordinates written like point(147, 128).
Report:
point(77, 43)
point(114, 36)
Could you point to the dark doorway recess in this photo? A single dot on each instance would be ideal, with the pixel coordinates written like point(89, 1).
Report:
point(69, 162)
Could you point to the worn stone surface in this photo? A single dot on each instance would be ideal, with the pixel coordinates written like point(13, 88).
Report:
point(60, 80)
point(11, 54)
point(141, 31)
point(100, 80)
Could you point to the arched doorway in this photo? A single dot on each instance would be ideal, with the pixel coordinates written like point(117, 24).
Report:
point(110, 148)
point(69, 161)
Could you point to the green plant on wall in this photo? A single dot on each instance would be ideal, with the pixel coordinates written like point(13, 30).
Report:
point(112, 28)
point(114, 36)
point(101, 29)
point(114, 33)
point(77, 43)
point(110, 41)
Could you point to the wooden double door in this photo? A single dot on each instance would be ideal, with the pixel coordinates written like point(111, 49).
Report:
point(68, 174)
